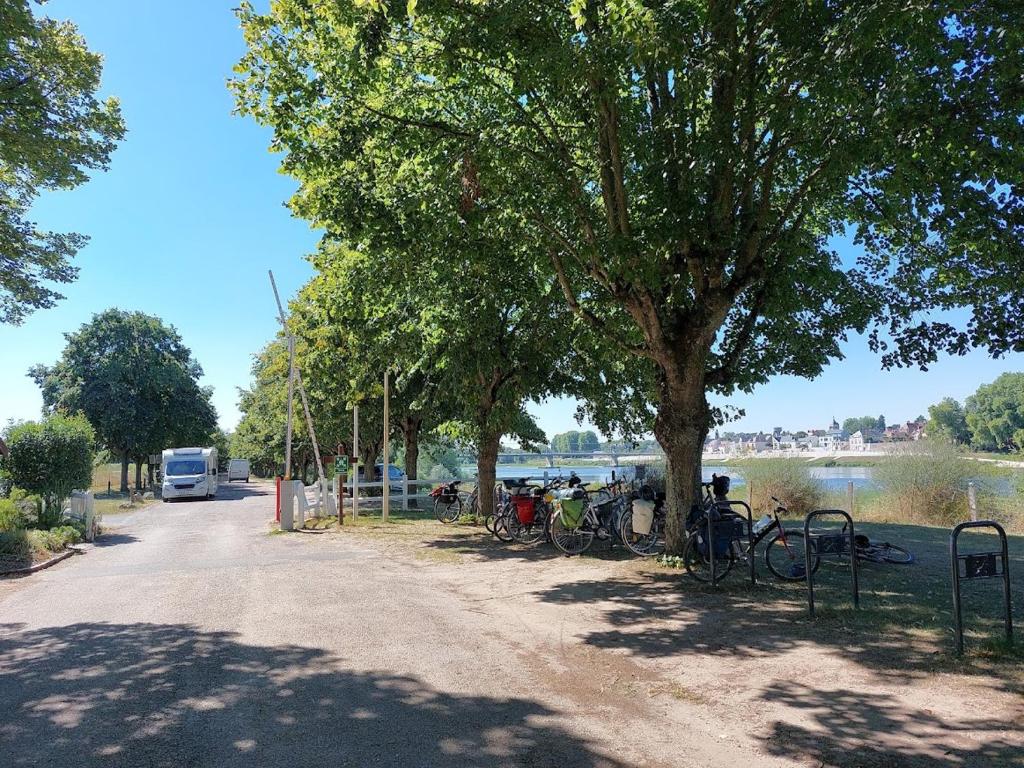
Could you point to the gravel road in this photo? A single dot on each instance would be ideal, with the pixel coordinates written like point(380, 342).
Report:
point(190, 636)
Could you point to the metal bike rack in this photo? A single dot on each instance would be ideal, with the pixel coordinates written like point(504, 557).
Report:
point(979, 565)
point(833, 545)
point(712, 523)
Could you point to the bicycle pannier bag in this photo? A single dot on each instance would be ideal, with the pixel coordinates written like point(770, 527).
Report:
point(643, 516)
point(570, 508)
point(526, 510)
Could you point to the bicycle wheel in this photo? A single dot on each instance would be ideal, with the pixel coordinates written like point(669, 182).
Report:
point(699, 565)
point(571, 541)
point(889, 553)
point(526, 533)
point(642, 544)
point(785, 557)
point(501, 524)
point(447, 511)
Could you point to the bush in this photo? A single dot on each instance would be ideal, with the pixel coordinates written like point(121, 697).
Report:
point(789, 480)
point(927, 483)
point(51, 458)
point(22, 545)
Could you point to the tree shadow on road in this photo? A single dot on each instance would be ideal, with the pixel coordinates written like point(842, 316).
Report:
point(851, 728)
point(96, 694)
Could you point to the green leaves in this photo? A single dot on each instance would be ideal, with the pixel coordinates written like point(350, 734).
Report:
point(134, 380)
point(53, 131)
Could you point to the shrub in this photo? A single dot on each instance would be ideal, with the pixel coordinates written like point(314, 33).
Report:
point(927, 483)
point(51, 458)
point(786, 479)
point(21, 545)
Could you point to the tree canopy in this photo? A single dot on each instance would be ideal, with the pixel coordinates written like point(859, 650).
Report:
point(947, 422)
point(135, 381)
point(53, 131)
point(574, 441)
point(681, 171)
point(995, 414)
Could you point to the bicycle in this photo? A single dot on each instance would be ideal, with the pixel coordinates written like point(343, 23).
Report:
point(885, 552)
point(648, 536)
point(447, 501)
point(784, 553)
point(529, 520)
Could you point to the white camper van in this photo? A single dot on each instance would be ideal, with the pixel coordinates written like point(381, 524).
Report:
point(189, 473)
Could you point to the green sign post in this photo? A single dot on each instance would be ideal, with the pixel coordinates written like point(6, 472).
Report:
point(341, 465)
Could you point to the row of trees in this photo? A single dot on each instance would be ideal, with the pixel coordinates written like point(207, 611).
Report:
point(864, 424)
point(135, 382)
point(992, 419)
point(659, 184)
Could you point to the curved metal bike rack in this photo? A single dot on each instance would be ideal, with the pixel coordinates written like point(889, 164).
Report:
point(833, 545)
point(979, 565)
point(729, 503)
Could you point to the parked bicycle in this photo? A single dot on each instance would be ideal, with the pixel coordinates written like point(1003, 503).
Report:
point(784, 553)
point(580, 516)
point(447, 501)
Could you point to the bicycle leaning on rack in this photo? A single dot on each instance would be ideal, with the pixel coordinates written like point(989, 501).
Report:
point(783, 554)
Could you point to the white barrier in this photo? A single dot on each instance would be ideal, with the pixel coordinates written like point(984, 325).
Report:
point(82, 507)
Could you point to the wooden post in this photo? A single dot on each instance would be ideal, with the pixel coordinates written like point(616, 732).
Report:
point(405, 493)
point(291, 409)
point(849, 497)
point(385, 508)
point(972, 501)
point(355, 465)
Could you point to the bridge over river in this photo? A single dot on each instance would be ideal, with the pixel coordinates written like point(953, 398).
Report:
point(604, 457)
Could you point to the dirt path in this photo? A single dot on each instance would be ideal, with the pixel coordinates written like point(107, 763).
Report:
point(742, 671)
point(192, 637)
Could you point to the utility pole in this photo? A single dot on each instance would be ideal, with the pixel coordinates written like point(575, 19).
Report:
point(291, 409)
point(298, 381)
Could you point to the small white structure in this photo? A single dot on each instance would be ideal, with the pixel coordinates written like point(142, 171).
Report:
point(189, 473)
point(82, 507)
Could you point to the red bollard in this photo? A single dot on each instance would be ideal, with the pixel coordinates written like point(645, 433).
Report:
point(277, 485)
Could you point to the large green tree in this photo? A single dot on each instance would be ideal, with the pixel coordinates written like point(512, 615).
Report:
point(53, 132)
point(946, 421)
point(469, 343)
point(682, 168)
point(135, 381)
point(995, 414)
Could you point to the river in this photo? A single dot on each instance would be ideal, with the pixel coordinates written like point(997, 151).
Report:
point(833, 478)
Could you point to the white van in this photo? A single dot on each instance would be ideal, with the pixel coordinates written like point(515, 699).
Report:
point(238, 469)
point(189, 473)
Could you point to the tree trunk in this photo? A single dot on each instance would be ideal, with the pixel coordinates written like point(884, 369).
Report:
point(138, 474)
point(681, 427)
point(487, 469)
point(149, 475)
point(411, 432)
point(124, 473)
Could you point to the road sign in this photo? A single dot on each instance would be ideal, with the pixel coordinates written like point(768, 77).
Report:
point(341, 465)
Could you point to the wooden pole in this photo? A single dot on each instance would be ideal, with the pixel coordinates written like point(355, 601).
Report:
point(849, 497)
point(291, 409)
point(387, 466)
point(972, 501)
point(355, 455)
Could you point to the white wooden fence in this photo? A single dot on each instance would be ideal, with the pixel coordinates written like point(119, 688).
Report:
point(82, 507)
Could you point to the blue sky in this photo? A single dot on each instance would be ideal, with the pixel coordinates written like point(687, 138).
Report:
point(190, 217)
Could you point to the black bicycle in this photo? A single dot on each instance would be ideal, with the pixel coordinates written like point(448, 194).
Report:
point(784, 553)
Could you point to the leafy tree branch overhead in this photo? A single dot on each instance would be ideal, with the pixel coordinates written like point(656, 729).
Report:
point(53, 132)
point(680, 169)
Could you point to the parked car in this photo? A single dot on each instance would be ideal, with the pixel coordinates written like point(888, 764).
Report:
point(238, 469)
point(395, 475)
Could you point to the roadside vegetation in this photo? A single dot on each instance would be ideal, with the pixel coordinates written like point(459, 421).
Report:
point(47, 460)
